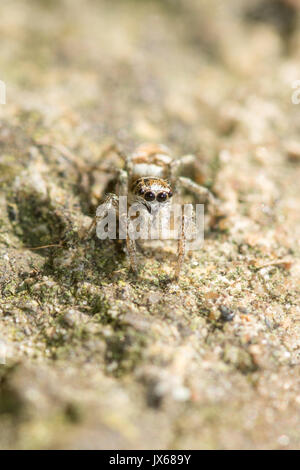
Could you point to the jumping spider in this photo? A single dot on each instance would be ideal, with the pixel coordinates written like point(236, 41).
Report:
point(149, 178)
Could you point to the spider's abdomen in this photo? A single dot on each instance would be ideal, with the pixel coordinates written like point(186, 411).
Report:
point(151, 160)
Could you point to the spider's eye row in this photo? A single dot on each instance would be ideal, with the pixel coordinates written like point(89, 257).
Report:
point(161, 197)
point(170, 194)
point(142, 191)
point(149, 196)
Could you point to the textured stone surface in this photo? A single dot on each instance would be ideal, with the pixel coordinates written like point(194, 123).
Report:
point(97, 358)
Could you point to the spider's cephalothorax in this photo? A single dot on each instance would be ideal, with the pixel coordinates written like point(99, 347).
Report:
point(153, 193)
point(148, 179)
point(149, 170)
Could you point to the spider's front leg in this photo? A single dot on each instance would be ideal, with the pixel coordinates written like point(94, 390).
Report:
point(131, 246)
point(107, 212)
point(180, 163)
point(122, 185)
point(110, 201)
point(204, 196)
point(125, 223)
point(201, 192)
point(181, 247)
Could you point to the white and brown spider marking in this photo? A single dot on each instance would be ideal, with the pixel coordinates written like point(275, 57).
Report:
point(149, 178)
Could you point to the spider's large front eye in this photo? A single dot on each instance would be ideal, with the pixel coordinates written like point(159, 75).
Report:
point(161, 197)
point(149, 196)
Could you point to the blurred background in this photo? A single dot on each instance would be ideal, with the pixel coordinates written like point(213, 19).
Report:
point(96, 360)
point(172, 70)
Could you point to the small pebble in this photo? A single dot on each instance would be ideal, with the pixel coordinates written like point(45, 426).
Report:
point(181, 394)
point(293, 151)
point(226, 313)
point(154, 297)
point(283, 440)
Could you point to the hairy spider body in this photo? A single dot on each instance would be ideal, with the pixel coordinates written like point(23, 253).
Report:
point(151, 160)
point(148, 179)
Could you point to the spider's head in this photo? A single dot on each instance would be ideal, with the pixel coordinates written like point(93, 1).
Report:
point(153, 193)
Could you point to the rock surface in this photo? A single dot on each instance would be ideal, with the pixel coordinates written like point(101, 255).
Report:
point(95, 357)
